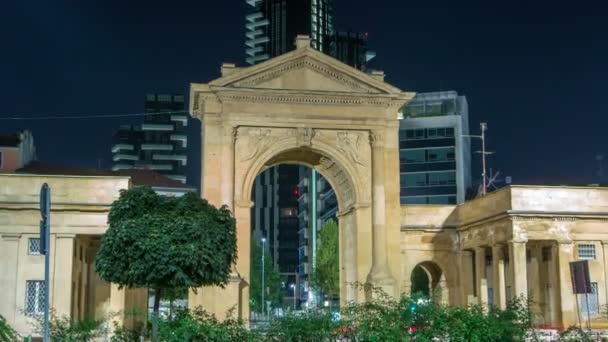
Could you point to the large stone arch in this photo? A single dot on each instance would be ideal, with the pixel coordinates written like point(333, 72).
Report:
point(343, 158)
point(306, 108)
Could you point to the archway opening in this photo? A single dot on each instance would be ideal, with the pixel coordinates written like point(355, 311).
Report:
point(427, 280)
point(420, 282)
point(294, 260)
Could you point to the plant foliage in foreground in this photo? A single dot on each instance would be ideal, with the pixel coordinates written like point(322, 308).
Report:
point(7, 333)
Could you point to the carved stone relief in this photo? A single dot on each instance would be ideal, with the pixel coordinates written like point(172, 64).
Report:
point(258, 140)
point(329, 168)
point(350, 144)
point(304, 136)
point(376, 138)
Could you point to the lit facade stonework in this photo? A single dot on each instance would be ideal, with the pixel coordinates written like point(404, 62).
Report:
point(524, 237)
point(304, 107)
point(307, 108)
point(79, 211)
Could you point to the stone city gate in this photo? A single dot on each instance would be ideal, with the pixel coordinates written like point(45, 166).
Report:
point(305, 108)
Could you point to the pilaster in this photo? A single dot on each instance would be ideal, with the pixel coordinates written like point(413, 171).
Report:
point(481, 279)
point(9, 254)
point(380, 274)
point(62, 283)
point(567, 299)
point(467, 286)
point(517, 256)
point(498, 268)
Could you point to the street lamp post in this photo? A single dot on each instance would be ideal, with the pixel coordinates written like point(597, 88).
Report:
point(263, 285)
point(293, 286)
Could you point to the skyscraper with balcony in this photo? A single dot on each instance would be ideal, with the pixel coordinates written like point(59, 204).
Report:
point(273, 25)
point(435, 158)
point(159, 143)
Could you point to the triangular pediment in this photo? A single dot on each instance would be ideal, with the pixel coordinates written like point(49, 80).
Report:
point(305, 69)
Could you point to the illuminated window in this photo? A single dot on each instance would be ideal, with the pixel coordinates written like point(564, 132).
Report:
point(590, 302)
point(34, 246)
point(34, 297)
point(289, 212)
point(586, 251)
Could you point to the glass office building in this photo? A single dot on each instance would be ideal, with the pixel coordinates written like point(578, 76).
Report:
point(435, 158)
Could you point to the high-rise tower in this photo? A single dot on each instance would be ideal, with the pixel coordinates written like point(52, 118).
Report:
point(272, 26)
point(159, 143)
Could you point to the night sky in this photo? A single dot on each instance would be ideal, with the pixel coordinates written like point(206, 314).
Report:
point(536, 71)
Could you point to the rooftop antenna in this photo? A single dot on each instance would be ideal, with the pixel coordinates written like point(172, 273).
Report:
point(484, 127)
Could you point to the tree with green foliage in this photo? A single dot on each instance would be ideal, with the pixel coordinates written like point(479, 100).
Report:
point(272, 279)
point(326, 276)
point(7, 333)
point(165, 243)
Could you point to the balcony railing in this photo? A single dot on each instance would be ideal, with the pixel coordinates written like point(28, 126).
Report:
point(157, 147)
point(156, 127)
point(176, 157)
point(119, 147)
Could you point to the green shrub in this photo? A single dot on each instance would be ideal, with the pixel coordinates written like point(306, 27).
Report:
point(7, 334)
point(407, 319)
point(61, 328)
point(316, 326)
point(575, 334)
point(198, 325)
point(122, 334)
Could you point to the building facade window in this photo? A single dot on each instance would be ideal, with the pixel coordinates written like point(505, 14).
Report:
point(34, 297)
point(34, 246)
point(590, 302)
point(586, 251)
point(442, 178)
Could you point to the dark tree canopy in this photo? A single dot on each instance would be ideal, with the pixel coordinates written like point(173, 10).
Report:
point(166, 242)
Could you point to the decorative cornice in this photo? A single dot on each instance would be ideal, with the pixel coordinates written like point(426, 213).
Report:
point(301, 63)
point(535, 216)
point(11, 236)
point(557, 218)
point(336, 100)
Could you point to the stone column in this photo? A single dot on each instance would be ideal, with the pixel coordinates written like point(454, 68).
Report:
point(567, 299)
point(480, 276)
point(9, 254)
point(380, 274)
point(498, 268)
point(517, 254)
point(554, 287)
point(605, 261)
point(230, 135)
point(61, 284)
point(465, 261)
point(348, 257)
point(536, 288)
